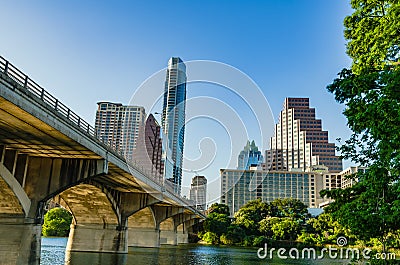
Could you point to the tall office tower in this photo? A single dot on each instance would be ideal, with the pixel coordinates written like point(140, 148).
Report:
point(119, 125)
point(299, 141)
point(198, 192)
point(250, 157)
point(173, 116)
point(148, 151)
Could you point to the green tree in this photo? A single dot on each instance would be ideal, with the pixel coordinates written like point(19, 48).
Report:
point(289, 207)
point(286, 229)
point(234, 235)
point(249, 216)
point(210, 238)
point(265, 225)
point(217, 223)
point(327, 229)
point(371, 92)
point(57, 222)
point(219, 208)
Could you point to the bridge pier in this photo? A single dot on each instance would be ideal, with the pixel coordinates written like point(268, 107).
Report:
point(19, 241)
point(143, 237)
point(182, 237)
point(97, 238)
point(168, 237)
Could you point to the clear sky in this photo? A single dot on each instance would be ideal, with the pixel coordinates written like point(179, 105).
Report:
point(88, 51)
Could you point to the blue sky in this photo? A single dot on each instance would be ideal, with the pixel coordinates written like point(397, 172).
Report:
point(87, 51)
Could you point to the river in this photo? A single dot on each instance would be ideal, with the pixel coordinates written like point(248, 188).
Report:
point(53, 253)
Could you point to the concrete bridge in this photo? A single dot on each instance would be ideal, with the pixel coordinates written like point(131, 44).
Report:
point(47, 152)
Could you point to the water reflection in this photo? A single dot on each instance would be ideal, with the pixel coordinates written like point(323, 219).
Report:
point(84, 258)
point(53, 253)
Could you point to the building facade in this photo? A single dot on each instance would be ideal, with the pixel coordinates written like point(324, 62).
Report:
point(239, 187)
point(173, 116)
point(198, 192)
point(250, 157)
point(148, 151)
point(299, 141)
point(351, 171)
point(119, 126)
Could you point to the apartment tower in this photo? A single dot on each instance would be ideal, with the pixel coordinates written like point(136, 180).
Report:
point(198, 192)
point(173, 116)
point(119, 126)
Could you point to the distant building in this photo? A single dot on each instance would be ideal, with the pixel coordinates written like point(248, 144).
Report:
point(198, 192)
point(340, 181)
point(348, 182)
point(148, 151)
point(299, 141)
point(173, 116)
point(119, 126)
point(250, 157)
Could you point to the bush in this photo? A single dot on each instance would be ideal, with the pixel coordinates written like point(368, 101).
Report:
point(226, 239)
point(210, 238)
point(259, 241)
point(248, 241)
point(57, 222)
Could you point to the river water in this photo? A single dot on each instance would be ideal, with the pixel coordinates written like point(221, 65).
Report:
point(53, 253)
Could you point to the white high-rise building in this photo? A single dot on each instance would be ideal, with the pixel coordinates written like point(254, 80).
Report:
point(198, 192)
point(119, 126)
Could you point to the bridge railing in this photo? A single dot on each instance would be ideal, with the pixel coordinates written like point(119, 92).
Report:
point(30, 86)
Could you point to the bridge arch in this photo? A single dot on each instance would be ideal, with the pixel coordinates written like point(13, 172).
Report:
point(13, 198)
point(142, 229)
point(89, 204)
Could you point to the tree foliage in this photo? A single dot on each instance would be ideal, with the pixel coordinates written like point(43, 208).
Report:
point(251, 214)
point(371, 92)
point(219, 208)
point(289, 207)
point(286, 229)
point(217, 223)
point(57, 222)
point(255, 222)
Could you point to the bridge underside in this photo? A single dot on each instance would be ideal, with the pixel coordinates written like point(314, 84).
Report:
point(46, 156)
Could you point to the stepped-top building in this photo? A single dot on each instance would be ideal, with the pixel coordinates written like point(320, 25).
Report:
point(299, 142)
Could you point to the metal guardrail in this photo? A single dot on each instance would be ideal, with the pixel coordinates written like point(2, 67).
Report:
point(31, 87)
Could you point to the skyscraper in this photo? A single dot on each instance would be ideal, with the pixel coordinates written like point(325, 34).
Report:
point(198, 192)
point(299, 141)
point(173, 116)
point(119, 126)
point(250, 157)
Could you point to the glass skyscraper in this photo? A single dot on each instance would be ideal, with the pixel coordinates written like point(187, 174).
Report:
point(173, 117)
point(250, 157)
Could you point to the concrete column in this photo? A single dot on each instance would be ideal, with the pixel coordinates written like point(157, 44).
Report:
point(168, 237)
point(19, 242)
point(182, 237)
point(143, 237)
point(97, 238)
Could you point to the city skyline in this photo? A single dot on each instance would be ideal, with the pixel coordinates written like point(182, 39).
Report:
point(296, 50)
